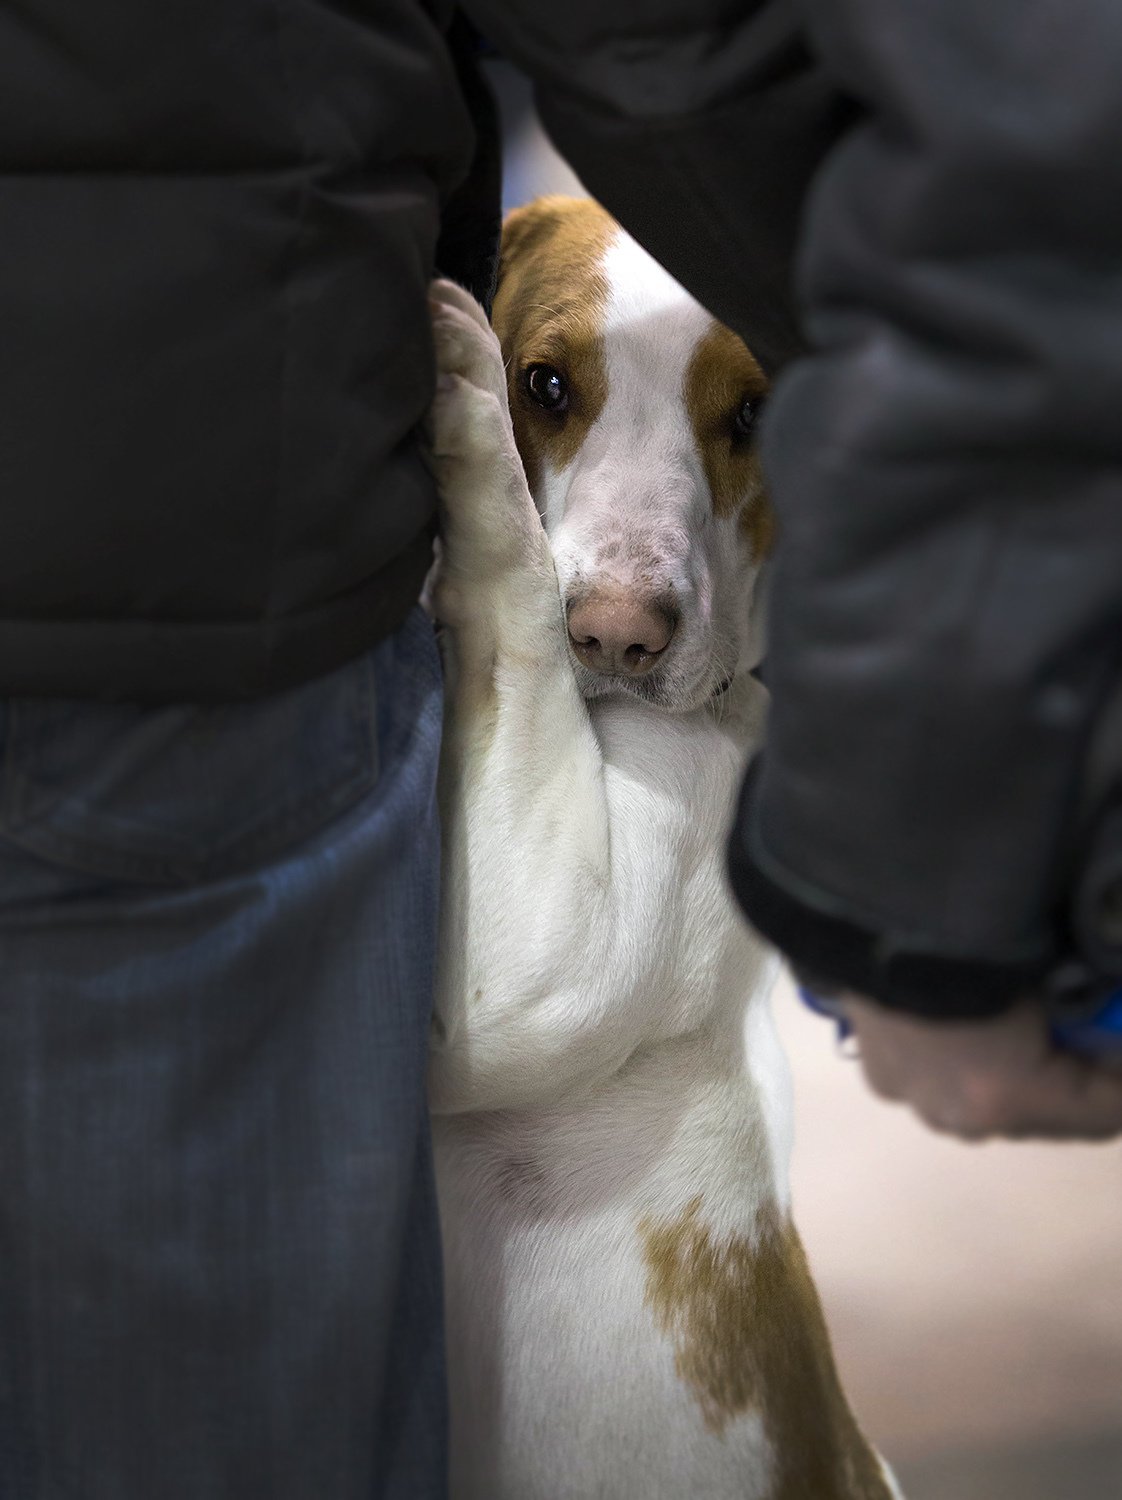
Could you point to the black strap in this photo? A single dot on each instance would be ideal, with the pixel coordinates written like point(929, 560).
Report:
point(467, 251)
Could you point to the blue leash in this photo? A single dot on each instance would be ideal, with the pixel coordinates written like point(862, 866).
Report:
point(1097, 1033)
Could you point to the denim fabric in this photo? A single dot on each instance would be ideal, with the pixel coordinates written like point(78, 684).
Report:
point(219, 1257)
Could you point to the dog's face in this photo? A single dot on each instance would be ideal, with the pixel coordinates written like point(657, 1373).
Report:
point(634, 414)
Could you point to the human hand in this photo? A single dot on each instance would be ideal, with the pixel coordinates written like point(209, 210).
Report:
point(998, 1077)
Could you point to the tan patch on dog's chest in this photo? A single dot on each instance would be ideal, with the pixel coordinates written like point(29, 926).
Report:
point(721, 374)
point(549, 309)
point(749, 1335)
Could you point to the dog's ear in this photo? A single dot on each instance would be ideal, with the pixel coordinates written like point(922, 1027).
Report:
point(524, 227)
point(556, 241)
point(528, 228)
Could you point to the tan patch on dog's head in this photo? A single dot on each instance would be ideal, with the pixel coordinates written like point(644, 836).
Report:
point(749, 1335)
point(549, 310)
point(720, 377)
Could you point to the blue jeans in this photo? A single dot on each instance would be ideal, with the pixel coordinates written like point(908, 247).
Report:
point(219, 1256)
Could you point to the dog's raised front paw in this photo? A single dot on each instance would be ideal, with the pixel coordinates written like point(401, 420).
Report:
point(465, 343)
point(469, 417)
point(489, 520)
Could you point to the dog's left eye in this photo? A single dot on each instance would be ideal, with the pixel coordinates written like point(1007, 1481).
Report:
point(745, 420)
point(548, 387)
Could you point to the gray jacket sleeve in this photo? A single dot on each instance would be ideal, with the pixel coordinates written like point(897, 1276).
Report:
point(946, 463)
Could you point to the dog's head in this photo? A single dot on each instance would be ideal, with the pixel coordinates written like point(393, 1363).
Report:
point(634, 413)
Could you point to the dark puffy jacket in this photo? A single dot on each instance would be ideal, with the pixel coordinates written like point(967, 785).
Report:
point(218, 226)
point(932, 821)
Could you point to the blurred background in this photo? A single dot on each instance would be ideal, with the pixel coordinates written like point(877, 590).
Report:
point(974, 1293)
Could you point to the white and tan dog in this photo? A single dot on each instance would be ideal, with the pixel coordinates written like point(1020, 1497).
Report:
point(629, 1308)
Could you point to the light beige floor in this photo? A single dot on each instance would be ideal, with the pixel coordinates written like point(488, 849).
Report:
point(974, 1292)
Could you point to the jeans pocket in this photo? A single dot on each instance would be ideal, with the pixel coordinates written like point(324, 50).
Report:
point(185, 793)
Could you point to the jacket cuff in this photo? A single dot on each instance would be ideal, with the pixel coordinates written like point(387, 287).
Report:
point(839, 954)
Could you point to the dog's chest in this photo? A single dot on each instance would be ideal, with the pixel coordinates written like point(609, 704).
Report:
point(673, 781)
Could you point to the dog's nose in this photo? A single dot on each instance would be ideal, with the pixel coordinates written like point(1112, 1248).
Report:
point(619, 633)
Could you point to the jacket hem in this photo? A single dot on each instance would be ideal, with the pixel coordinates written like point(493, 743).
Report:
point(186, 661)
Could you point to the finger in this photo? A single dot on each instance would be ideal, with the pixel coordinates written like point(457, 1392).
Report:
point(882, 1077)
point(1077, 1099)
point(1064, 1098)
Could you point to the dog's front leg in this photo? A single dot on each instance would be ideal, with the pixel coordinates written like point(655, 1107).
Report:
point(527, 893)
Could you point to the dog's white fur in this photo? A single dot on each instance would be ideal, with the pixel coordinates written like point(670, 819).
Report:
point(604, 1058)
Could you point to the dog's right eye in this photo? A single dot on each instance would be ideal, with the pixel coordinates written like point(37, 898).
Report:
point(744, 422)
point(548, 387)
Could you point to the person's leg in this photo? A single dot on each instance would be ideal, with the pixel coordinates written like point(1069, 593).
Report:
point(219, 1259)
